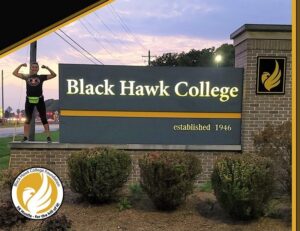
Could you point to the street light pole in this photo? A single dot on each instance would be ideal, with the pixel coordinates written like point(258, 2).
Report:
point(33, 47)
point(149, 56)
point(2, 87)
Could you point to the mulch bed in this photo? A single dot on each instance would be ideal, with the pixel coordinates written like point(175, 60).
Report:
point(200, 212)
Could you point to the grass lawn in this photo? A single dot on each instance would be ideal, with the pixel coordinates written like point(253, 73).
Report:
point(206, 187)
point(4, 148)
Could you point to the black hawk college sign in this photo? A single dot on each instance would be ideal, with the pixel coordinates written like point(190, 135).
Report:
point(157, 107)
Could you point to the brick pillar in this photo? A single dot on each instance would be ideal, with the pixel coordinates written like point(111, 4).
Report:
point(251, 41)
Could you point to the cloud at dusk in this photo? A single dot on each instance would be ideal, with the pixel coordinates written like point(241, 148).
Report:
point(122, 33)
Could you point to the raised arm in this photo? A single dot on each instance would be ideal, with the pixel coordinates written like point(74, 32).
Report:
point(52, 73)
point(16, 71)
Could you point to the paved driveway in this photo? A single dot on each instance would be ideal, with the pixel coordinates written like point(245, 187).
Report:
point(7, 132)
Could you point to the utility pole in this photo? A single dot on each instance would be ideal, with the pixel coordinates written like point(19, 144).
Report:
point(33, 47)
point(149, 57)
point(2, 90)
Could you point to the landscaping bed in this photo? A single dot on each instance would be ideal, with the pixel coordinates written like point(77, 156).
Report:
point(199, 212)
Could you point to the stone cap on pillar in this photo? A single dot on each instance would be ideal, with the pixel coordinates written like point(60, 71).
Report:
point(261, 31)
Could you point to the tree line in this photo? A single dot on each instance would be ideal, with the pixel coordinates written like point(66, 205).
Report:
point(198, 58)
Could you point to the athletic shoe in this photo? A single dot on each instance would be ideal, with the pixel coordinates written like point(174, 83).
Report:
point(25, 139)
point(49, 139)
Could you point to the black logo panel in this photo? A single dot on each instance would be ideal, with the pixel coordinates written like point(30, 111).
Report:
point(270, 77)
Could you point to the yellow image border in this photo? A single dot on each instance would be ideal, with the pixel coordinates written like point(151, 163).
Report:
point(295, 203)
point(295, 83)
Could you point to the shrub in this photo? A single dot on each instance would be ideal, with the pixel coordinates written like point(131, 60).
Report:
point(56, 223)
point(168, 178)
point(97, 174)
point(275, 142)
point(136, 192)
point(9, 216)
point(243, 184)
point(8, 176)
point(279, 208)
point(124, 204)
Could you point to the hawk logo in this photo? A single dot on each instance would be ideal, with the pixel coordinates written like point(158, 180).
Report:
point(37, 193)
point(270, 75)
point(271, 81)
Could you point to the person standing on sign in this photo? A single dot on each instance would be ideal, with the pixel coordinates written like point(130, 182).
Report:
point(34, 96)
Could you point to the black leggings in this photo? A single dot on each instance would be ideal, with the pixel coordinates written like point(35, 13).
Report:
point(40, 106)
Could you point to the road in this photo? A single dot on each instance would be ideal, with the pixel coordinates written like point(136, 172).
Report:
point(7, 132)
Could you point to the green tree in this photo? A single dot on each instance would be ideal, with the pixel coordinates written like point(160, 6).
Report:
point(52, 104)
point(7, 112)
point(167, 59)
point(200, 58)
point(196, 58)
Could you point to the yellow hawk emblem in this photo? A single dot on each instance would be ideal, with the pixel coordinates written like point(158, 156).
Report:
point(271, 81)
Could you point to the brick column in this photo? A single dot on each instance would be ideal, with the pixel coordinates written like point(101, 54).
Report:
point(251, 41)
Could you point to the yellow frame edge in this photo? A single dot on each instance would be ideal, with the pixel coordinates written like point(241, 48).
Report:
point(294, 159)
